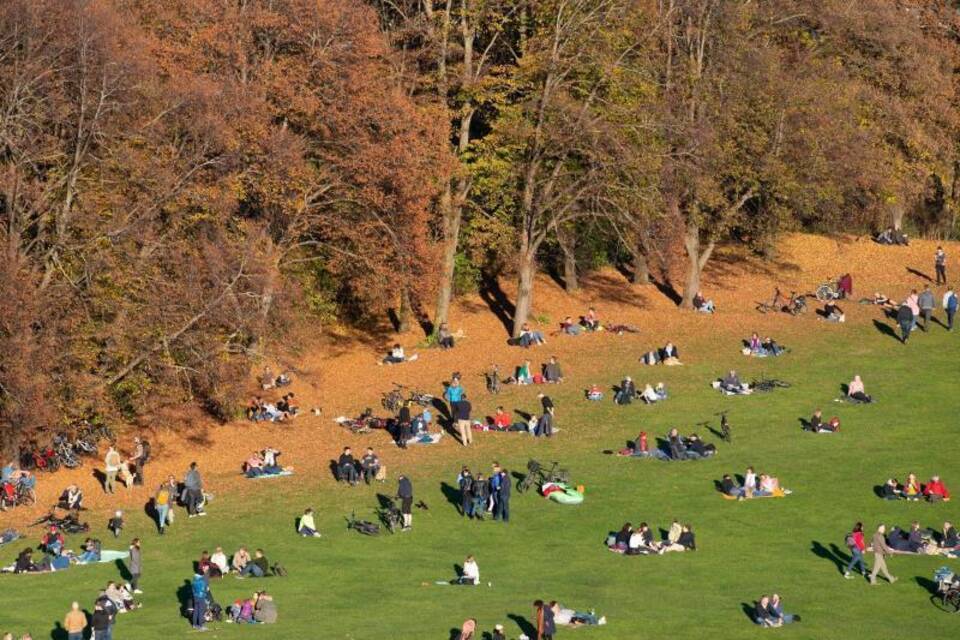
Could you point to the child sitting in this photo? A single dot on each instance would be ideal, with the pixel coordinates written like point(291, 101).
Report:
point(594, 393)
point(115, 525)
point(242, 611)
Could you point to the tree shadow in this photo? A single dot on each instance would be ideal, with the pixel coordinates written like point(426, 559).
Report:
point(452, 494)
point(919, 274)
point(666, 288)
point(833, 554)
point(886, 329)
point(498, 302)
point(526, 627)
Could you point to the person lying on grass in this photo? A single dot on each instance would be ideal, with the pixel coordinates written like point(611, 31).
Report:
point(817, 425)
point(569, 327)
point(264, 463)
point(912, 541)
point(690, 448)
point(668, 355)
point(567, 617)
point(651, 395)
point(856, 393)
point(833, 313)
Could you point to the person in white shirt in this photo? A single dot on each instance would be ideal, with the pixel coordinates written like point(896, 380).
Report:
point(749, 482)
point(219, 559)
point(471, 572)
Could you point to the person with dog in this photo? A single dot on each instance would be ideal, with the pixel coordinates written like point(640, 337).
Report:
point(405, 494)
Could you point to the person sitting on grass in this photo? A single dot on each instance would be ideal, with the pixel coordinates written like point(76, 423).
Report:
point(71, 498)
point(642, 541)
point(686, 541)
point(307, 527)
point(241, 558)
point(347, 467)
point(370, 465)
point(569, 327)
point(911, 489)
point(626, 392)
point(288, 406)
point(257, 567)
point(470, 573)
point(620, 541)
point(891, 490)
point(523, 375)
point(729, 487)
point(833, 313)
point(594, 393)
point(817, 425)
point(950, 539)
point(856, 392)
point(776, 611)
point(730, 384)
point(219, 560)
point(650, 395)
point(207, 567)
point(264, 608)
point(241, 612)
point(678, 449)
point(762, 614)
point(529, 338)
point(52, 541)
point(396, 355)
point(701, 304)
point(936, 491)
point(591, 321)
point(444, 337)
point(769, 486)
point(670, 355)
point(552, 372)
point(697, 448)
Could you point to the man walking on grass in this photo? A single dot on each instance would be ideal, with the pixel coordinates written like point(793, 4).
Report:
point(927, 303)
point(462, 415)
point(940, 265)
point(880, 551)
point(950, 306)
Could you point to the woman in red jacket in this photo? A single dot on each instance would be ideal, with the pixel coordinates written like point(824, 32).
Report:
point(936, 490)
point(857, 546)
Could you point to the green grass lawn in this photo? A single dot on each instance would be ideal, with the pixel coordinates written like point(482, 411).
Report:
point(348, 586)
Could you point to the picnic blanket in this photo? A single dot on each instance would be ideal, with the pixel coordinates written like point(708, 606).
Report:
point(427, 438)
point(779, 493)
point(109, 555)
point(271, 475)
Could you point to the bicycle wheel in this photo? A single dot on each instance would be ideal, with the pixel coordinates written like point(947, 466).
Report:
point(824, 292)
point(949, 602)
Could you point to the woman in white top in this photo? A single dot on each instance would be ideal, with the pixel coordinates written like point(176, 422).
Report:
point(219, 558)
point(470, 573)
point(307, 528)
point(649, 395)
point(750, 482)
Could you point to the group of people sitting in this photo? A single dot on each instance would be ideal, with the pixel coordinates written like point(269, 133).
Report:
point(730, 384)
point(588, 322)
point(754, 486)
point(349, 469)
point(817, 425)
point(668, 355)
point(550, 373)
point(259, 410)
point(641, 541)
point(626, 392)
point(258, 609)
point(674, 447)
point(933, 491)
point(768, 612)
point(762, 347)
point(891, 236)
point(264, 463)
point(217, 565)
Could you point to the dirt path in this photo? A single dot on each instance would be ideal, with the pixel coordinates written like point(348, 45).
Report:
point(340, 374)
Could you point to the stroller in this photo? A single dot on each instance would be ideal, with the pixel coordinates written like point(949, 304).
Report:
point(214, 611)
point(947, 596)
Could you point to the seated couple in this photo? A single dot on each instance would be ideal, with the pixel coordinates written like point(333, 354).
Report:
point(260, 411)
point(933, 491)
point(396, 356)
point(891, 236)
point(730, 385)
point(627, 392)
point(268, 381)
point(259, 609)
point(550, 372)
point(758, 348)
point(264, 463)
point(588, 322)
point(245, 566)
point(349, 469)
point(677, 447)
point(856, 392)
point(502, 421)
point(668, 355)
point(768, 612)
point(528, 337)
point(71, 498)
point(817, 425)
point(762, 486)
point(640, 541)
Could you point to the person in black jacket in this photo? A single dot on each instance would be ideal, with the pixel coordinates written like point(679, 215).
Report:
point(905, 320)
point(678, 450)
point(405, 493)
point(347, 467)
point(100, 622)
point(501, 505)
point(481, 495)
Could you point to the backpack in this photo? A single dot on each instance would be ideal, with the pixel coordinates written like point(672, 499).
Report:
point(849, 541)
point(278, 570)
point(146, 451)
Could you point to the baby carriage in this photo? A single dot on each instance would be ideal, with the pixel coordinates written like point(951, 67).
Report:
point(947, 596)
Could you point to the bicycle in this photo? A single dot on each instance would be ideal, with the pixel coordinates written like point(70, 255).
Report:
point(364, 527)
point(537, 475)
point(796, 305)
point(947, 597)
point(827, 291)
point(768, 384)
point(392, 400)
point(774, 305)
point(390, 516)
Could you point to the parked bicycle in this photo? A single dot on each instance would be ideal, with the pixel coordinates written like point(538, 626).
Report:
point(827, 291)
point(537, 475)
point(364, 527)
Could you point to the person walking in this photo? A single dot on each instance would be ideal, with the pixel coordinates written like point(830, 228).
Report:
point(462, 415)
point(950, 304)
point(161, 504)
point(856, 545)
point(198, 587)
point(135, 565)
point(927, 303)
point(101, 622)
point(880, 551)
point(405, 493)
point(940, 265)
point(905, 320)
point(75, 622)
point(111, 463)
point(138, 460)
point(452, 394)
point(193, 488)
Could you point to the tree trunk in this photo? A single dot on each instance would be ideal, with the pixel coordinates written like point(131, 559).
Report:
point(641, 271)
point(897, 211)
point(451, 213)
point(696, 261)
point(570, 271)
point(526, 270)
point(405, 313)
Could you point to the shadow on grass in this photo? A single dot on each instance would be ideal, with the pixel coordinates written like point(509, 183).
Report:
point(919, 274)
point(886, 330)
point(498, 302)
point(927, 584)
point(526, 627)
point(749, 610)
point(452, 494)
point(834, 554)
point(185, 598)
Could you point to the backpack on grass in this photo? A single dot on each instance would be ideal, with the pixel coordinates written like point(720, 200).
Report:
point(278, 570)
